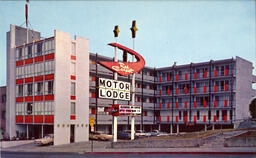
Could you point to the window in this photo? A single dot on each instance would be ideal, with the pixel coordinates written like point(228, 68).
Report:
point(73, 45)
point(20, 90)
point(50, 87)
point(39, 49)
point(29, 51)
point(217, 115)
point(73, 88)
point(145, 113)
point(231, 115)
point(3, 98)
point(30, 89)
point(39, 88)
point(20, 53)
point(3, 115)
point(73, 108)
point(179, 115)
point(29, 108)
point(198, 115)
point(209, 115)
point(73, 68)
point(222, 71)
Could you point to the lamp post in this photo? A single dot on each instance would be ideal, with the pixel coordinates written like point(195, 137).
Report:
point(133, 29)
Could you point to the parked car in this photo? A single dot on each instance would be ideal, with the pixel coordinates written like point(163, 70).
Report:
point(48, 139)
point(99, 135)
point(123, 135)
point(141, 133)
point(158, 133)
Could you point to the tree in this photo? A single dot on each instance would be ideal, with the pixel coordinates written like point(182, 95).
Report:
point(252, 108)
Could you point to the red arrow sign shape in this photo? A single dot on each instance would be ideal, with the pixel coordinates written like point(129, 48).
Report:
point(124, 68)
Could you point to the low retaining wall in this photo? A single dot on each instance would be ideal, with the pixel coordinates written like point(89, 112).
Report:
point(240, 142)
point(156, 144)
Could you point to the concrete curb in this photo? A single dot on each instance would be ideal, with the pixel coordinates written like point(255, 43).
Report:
point(217, 153)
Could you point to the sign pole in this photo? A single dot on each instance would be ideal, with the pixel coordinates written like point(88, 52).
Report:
point(133, 29)
point(116, 32)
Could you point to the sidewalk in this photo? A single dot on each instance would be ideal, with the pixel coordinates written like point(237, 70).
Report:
point(102, 148)
point(7, 144)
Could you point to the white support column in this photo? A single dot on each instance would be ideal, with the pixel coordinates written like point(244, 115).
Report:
point(133, 100)
point(178, 130)
point(159, 127)
point(115, 129)
point(132, 128)
point(213, 128)
point(115, 102)
point(27, 132)
point(170, 128)
point(42, 131)
point(205, 127)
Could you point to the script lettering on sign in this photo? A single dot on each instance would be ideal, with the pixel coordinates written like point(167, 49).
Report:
point(112, 89)
point(123, 68)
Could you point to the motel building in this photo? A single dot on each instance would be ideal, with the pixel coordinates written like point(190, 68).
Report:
point(53, 86)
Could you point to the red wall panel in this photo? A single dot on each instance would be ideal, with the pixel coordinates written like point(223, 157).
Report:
point(39, 78)
point(49, 77)
point(72, 77)
point(215, 73)
point(49, 97)
point(73, 57)
point(195, 75)
point(20, 81)
point(19, 119)
point(177, 104)
point(49, 56)
point(72, 117)
point(39, 118)
point(73, 97)
point(29, 119)
point(20, 63)
point(29, 99)
point(225, 102)
point(49, 118)
point(19, 99)
point(39, 59)
point(39, 98)
point(29, 61)
point(29, 79)
point(194, 104)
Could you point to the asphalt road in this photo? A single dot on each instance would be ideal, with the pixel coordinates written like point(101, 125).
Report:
point(74, 155)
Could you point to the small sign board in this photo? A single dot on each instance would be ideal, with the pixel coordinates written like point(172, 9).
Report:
point(129, 110)
point(91, 121)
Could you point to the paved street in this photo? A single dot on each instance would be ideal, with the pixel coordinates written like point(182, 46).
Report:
point(76, 155)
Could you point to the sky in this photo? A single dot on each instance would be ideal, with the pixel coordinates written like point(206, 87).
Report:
point(168, 31)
